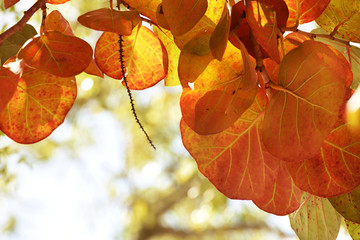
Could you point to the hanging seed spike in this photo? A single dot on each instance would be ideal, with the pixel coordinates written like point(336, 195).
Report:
point(122, 63)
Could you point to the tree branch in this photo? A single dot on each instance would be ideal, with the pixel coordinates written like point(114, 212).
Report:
point(21, 23)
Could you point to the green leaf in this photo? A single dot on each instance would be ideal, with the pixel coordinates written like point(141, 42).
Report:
point(315, 219)
point(348, 205)
point(12, 45)
point(354, 229)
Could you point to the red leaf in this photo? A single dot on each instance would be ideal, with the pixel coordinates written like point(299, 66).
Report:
point(8, 84)
point(109, 20)
point(38, 106)
point(233, 160)
point(262, 21)
point(58, 54)
point(57, 1)
point(304, 110)
point(183, 15)
point(281, 196)
point(56, 22)
point(304, 11)
point(281, 9)
point(335, 169)
point(10, 3)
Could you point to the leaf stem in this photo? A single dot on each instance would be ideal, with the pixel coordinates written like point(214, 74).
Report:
point(122, 63)
point(21, 23)
point(320, 35)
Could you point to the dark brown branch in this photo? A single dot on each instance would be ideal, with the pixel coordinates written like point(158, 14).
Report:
point(21, 23)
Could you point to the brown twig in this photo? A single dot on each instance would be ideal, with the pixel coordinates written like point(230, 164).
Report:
point(321, 35)
point(21, 23)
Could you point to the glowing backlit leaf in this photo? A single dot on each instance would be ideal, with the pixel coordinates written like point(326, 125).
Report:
point(350, 52)
point(232, 160)
point(8, 81)
point(305, 107)
point(342, 18)
point(145, 57)
point(172, 78)
point(281, 196)
point(183, 15)
point(109, 20)
point(219, 38)
point(348, 205)
point(57, 1)
point(303, 11)
point(262, 21)
point(281, 9)
point(146, 7)
point(38, 106)
point(315, 219)
point(335, 169)
point(10, 3)
point(58, 54)
point(205, 25)
point(221, 92)
point(56, 22)
point(353, 229)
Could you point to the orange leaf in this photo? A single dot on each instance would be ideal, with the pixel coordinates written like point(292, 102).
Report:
point(38, 106)
point(262, 21)
point(58, 54)
point(304, 11)
point(219, 38)
point(9, 3)
point(183, 15)
point(8, 83)
point(281, 9)
point(107, 55)
point(281, 196)
point(147, 8)
point(57, 1)
point(335, 169)
point(232, 160)
point(145, 57)
point(93, 69)
point(223, 90)
point(310, 93)
point(56, 22)
point(109, 20)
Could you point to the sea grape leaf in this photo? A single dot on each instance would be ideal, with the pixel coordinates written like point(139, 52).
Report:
point(315, 219)
point(110, 20)
point(219, 38)
point(353, 229)
point(335, 169)
point(57, 1)
point(206, 24)
point(161, 19)
point(281, 196)
point(38, 106)
point(350, 52)
point(12, 44)
point(262, 21)
point(304, 11)
point(223, 90)
point(352, 112)
point(56, 22)
point(58, 54)
point(145, 57)
point(232, 160)
point(147, 8)
point(281, 9)
point(305, 107)
point(10, 3)
point(342, 18)
point(183, 15)
point(165, 36)
point(8, 82)
point(348, 205)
